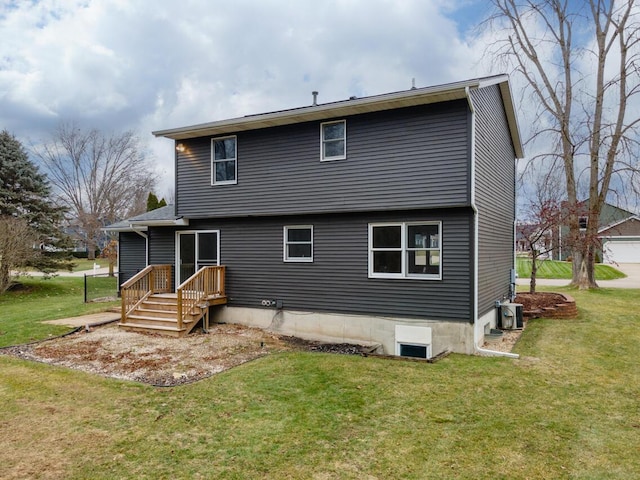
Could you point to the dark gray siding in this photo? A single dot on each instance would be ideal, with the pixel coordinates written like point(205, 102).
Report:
point(402, 159)
point(495, 197)
point(162, 249)
point(133, 255)
point(337, 280)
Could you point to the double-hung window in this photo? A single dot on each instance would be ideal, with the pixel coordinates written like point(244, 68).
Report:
point(224, 161)
point(333, 140)
point(298, 243)
point(405, 250)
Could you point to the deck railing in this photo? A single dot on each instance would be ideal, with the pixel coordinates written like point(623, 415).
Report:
point(153, 279)
point(196, 290)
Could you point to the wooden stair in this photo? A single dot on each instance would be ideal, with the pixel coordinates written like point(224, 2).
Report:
point(159, 314)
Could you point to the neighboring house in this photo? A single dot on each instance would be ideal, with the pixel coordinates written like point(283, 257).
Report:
point(543, 240)
point(611, 221)
point(621, 241)
point(384, 220)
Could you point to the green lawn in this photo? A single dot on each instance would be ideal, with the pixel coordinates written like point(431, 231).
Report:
point(567, 409)
point(562, 270)
point(22, 310)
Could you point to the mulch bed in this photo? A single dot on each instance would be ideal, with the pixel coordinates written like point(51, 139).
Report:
point(547, 305)
point(539, 300)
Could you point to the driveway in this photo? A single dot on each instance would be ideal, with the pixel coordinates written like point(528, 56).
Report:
point(631, 270)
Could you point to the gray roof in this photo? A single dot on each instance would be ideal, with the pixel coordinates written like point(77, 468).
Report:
point(406, 98)
point(158, 217)
point(162, 213)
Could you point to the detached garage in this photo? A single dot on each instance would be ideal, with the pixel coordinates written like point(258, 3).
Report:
point(621, 241)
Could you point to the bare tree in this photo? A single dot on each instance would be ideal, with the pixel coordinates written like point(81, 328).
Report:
point(579, 60)
point(17, 239)
point(542, 220)
point(100, 178)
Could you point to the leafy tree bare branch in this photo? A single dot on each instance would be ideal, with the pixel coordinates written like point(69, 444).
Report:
point(579, 62)
point(100, 177)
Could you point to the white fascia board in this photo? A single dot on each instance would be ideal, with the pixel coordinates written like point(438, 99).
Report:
point(128, 228)
point(179, 222)
point(619, 222)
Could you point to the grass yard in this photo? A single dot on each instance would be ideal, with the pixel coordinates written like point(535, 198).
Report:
point(562, 270)
point(22, 310)
point(567, 409)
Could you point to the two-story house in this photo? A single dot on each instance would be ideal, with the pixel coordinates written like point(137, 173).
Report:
point(385, 220)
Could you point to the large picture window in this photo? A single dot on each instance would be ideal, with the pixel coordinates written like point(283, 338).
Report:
point(298, 243)
point(224, 164)
point(333, 140)
point(405, 250)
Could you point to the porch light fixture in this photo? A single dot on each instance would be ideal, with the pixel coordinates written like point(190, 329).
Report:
point(180, 147)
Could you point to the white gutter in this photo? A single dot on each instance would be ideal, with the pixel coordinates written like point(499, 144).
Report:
point(140, 232)
point(476, 336)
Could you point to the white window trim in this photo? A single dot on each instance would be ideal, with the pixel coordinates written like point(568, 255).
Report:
point(404, 249)
point(286, 243)
point(337, 157)
point(213, 162)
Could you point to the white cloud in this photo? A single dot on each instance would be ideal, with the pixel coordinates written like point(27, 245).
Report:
point(154, 65)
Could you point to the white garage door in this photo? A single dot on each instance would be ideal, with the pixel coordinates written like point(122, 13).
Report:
point(622, 252)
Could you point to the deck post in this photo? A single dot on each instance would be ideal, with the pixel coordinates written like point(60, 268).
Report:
point(179, 294)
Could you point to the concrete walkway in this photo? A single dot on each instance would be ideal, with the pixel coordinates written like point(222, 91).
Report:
point(90, 320)
point(631, 270)
point(64, 273)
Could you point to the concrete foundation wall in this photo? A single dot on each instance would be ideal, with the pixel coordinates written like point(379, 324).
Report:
point(485, 323)
point(341, 328)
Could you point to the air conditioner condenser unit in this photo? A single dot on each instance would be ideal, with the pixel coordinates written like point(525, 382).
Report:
point(510, 316)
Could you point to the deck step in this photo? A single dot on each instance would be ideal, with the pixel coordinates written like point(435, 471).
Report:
point(148, 312)
point(137, 327)
point(160, 320)
point(159, 306)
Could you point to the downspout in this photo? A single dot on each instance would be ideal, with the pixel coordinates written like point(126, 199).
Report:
point(476, 336)
point(146, 238)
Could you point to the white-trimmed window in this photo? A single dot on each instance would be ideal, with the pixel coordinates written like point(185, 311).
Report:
point(224, 162)
point(583, 220)
point(405, 250)
point(333, 140)
point(298, 243)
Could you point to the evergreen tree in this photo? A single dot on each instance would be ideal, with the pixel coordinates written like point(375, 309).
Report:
point(153, 203)
point(25, 195)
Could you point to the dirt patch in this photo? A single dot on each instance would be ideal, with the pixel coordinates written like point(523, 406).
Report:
point(165, 361)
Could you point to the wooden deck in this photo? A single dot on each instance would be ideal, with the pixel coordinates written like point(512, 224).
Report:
point(148, 305)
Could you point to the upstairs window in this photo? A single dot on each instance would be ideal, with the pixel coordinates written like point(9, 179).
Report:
point(582, 222)
point(333, 140)
point(298, 243)
point(224, 164)
point(405, 250)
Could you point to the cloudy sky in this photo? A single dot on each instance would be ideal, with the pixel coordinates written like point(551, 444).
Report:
point(156, 64)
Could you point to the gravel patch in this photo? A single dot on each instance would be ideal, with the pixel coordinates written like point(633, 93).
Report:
point(165, 361)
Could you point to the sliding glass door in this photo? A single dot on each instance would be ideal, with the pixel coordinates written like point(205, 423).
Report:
point(195, 250)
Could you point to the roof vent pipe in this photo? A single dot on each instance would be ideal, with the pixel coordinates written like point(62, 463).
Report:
point(315, 98)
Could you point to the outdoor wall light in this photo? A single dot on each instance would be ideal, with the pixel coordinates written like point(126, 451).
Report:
point(180, 147)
